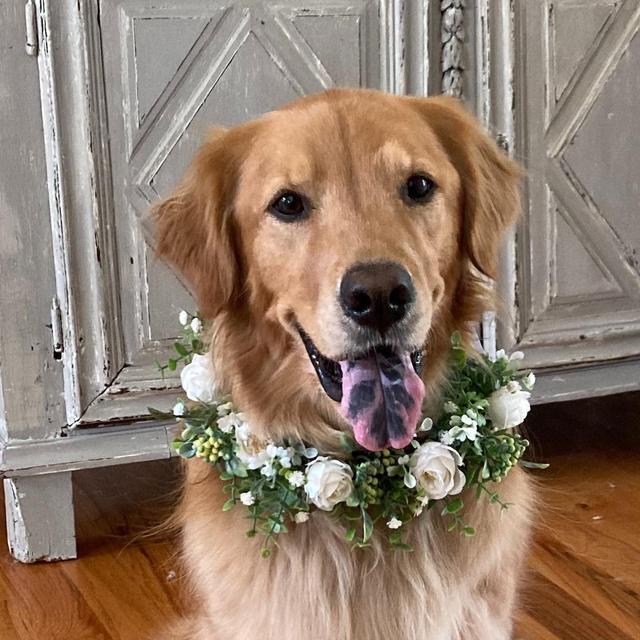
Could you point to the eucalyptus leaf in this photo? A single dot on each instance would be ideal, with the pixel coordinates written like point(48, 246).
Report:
point(367, 526)
point(180, 349)
point(533, 465)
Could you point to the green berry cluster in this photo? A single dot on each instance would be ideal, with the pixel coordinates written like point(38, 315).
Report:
point(207, 444)
point(502, 452)
point(367, 480)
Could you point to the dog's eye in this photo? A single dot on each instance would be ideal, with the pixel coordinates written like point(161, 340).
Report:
point(289, 206)
point(419, 188)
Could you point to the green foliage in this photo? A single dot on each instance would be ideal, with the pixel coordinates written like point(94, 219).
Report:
point(385, 493)
point(189, 343)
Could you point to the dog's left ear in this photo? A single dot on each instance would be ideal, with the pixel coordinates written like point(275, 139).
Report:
point(195, 229)
point(490, 180)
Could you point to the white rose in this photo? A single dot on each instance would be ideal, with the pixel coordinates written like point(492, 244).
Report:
point(328, 482)
point(251, 450)
point(435, 467)
point(197, 379)
point(508, 406)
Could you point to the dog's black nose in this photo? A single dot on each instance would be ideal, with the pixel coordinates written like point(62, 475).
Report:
point(376, 294)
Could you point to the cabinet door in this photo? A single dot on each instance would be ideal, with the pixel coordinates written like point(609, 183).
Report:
point(154, 76)
point(577, 114)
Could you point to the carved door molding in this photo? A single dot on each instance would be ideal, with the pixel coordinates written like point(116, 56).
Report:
point(578, 271)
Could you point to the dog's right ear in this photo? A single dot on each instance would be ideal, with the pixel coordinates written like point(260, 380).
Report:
point(194, 228)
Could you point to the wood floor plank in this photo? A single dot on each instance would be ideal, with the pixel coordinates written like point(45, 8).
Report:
point(44, 604)
point(528, 628)
point(570, 618)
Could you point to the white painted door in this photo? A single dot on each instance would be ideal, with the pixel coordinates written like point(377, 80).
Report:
point(577, 112)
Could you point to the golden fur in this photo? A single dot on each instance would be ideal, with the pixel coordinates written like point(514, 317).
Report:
point(253, 276)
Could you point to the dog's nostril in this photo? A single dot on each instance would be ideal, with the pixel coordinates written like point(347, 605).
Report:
point(400, 297)
point(360, 301)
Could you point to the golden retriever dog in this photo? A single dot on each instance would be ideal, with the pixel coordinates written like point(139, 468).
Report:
point(341, 223)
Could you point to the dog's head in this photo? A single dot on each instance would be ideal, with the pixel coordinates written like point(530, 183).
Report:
point(343, 233)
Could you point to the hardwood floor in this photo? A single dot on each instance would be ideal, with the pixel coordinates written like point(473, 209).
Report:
point(583, 582)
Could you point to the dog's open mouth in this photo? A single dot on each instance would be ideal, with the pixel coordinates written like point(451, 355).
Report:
point(380, 392)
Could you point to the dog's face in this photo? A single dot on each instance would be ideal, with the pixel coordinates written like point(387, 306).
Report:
point(347, 220)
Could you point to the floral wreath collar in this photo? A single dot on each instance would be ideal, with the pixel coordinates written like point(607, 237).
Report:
point(472, 443)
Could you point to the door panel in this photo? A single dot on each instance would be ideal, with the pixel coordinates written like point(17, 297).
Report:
point(576, 105)
point(170, 71)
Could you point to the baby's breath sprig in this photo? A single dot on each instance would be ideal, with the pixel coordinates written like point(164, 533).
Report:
point(188, 344)
point(472, 443)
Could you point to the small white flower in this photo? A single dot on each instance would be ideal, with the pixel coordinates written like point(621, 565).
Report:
point(179, 409)
point(508, 406)
point(465, 419)
point(403, 459)
point(250, 449)
point(436, 468)
point(472, 414)
point(247, 498)
point(296, 479)
point(196, 325)
point(446, 437)
point(513, 386)
point(267, 470)
point(500, 355)
point(281, 454)
point(228, 423)
point(450, 407)
point(328, 482)
point(394, 523)
point(426, 425)
point(197, 379)
point(455, 421)
point(183, 318)
point(515, 356)
point(225, 408)
point(460, 434)
point(529, 381)
point(301, 516)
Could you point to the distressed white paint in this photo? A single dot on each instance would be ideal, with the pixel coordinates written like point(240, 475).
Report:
point(39, 514)
point(88, 448)
point(31, 403)
point(578, 283)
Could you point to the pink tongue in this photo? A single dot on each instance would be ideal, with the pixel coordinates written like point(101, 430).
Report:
point(382, 399)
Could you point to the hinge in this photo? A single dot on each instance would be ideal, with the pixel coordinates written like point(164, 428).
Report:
point(31, 24)
point(56, 329)
point(503, 142)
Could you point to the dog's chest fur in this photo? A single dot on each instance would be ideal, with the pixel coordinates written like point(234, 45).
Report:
point(315, 587)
